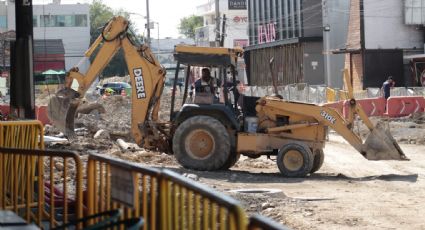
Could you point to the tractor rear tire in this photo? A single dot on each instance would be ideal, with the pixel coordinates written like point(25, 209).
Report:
point(295, 160)
point(231, 161)
point(319, 158)
point(202, 143)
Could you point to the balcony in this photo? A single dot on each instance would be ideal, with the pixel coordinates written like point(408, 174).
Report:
point(206, 8)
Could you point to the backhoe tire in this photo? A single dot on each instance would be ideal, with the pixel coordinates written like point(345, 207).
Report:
point(295, 160)
point(231, 161)
point(319, 158)
point(202, 143)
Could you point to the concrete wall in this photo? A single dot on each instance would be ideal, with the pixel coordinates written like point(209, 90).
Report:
point(335, 15)
point(378, 15)
point(313, 63)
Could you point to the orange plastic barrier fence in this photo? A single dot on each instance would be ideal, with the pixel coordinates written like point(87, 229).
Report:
point(403, 106)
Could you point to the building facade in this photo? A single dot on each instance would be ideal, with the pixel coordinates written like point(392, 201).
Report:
point(380, 42)
point(69, 23)
point(291, 32)
point(236, 29)
point(236, 33)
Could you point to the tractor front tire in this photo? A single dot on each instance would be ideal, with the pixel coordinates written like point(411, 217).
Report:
point(295, 160)
point(319, 158)
point(202, 143)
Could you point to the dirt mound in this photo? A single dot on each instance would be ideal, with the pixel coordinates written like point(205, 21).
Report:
point(116, 119)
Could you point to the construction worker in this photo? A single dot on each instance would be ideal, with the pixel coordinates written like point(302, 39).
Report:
point(206, 84)
point(108, 92)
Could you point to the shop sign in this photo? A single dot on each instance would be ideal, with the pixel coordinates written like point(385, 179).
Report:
point(237, 4)
point(240, 19)
point(240, 42)
point(266, 33)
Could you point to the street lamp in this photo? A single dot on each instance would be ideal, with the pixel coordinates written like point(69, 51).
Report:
point(147, 40)
point(158, 49)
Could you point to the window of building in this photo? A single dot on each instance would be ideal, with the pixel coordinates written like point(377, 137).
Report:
point(81, 20)
point(78, 20)
point(34, 21)
point(3, 21)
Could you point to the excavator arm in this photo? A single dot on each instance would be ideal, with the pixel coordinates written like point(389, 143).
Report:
point(147, 81)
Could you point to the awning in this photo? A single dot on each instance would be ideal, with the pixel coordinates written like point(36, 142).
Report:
point(53, 72)
point(414, 56)
point(206, 56)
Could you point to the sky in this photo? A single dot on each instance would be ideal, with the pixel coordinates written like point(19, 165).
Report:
point(166, 12)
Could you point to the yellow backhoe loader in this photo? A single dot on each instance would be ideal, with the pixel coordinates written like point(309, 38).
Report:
point(212, 135)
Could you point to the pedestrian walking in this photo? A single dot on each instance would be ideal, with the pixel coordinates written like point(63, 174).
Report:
point(386, 87)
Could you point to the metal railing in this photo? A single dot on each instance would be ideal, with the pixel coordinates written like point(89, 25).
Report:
point(165, 200)
point(33, 185)
point(102, 174)
point(257, 222)
point(317, 94)
point(21, 134)
point(191, 205)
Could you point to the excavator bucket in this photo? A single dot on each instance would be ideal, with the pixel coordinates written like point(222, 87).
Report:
point(61, 110)
point(381, 145)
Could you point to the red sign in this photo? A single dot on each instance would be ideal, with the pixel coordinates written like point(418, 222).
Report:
point(240, 42)
point(266, 33)
point(240, 19)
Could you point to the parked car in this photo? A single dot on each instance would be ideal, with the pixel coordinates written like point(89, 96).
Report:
point(117, 87)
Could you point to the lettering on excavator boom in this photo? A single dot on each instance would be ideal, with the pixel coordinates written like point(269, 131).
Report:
point(328, 117)
point(140, 84)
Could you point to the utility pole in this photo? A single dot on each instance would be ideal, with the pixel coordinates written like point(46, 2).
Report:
point(148, 23)
point(158, 39)
point(22, 102)
point(326, 44)
point(223, 31)
point(217, 23)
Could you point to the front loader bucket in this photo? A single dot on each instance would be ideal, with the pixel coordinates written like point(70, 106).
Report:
point(381, 145)
point(61, 110)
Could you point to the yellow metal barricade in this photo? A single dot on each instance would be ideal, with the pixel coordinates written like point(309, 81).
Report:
point(190, 205)
point(113, 183)
point(258, 222)
point(164, 199)
point(330, 95)
point(343, 95)
point(52, 195)
point(21, 134)
point(19, 170)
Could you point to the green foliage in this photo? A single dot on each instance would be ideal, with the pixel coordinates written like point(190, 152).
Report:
point(189, 24)
point(100, 14)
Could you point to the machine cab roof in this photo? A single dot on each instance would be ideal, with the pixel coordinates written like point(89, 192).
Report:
point(207, 56)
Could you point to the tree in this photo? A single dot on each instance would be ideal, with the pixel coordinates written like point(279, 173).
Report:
point(100, 14)
point(188, 24)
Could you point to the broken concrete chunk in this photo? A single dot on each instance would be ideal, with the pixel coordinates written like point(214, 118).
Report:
point(191, 176)
point(101, 134)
